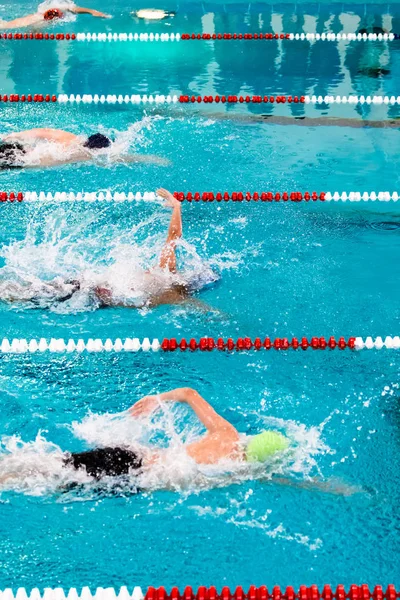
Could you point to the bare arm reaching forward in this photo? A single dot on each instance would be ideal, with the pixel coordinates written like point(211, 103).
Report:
point(211, 420)
point(221, 440)
point(52, 135)
point(88, 11)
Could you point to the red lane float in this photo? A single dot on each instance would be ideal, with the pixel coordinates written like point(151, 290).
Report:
point(28, 98)
point(235, 36)
point(208, 343)
point(11, 197)
point(242, 99)
point(249, 196)
point(37, 36)
point(355, 592)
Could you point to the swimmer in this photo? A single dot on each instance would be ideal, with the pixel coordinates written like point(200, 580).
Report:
point(222, 442)
point(161, 284)
point(41, 17)
point(20, 150)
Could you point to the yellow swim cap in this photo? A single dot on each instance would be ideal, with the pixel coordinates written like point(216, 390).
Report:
point(264, 445)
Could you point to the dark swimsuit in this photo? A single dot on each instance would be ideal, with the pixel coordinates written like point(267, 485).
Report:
point(103, 462)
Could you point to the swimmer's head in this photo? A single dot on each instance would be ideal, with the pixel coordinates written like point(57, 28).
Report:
point(264, 445)
point(53, 13)
point(97, 141)
point(11, 155)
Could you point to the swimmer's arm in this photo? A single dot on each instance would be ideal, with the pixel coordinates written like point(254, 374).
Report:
point(204, 307)
point(79, 10)
point(51, 135)
point(333, 486)
point(144, 159)
point(211, 420)
point(22, 21)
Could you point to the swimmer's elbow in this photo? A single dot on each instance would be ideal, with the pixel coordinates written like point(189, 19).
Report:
point(79, 10)
point(189, 392)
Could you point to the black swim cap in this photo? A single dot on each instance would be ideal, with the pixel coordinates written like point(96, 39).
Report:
point(101, 462)
point(97, 141)
point(10, 155)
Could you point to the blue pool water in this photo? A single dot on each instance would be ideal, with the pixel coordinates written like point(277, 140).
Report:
point(282, 269)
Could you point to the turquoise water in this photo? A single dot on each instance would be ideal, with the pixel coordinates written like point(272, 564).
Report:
point(282, 269)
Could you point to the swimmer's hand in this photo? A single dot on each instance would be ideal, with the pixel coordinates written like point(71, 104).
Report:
point(97, 13)
point(145, 406)
point(149, 404)
point(171, 200)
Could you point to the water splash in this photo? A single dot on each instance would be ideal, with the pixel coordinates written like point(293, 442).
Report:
point(34, 468)
point(43, 269)
point(45, 152)
point(306, 443)
point(63, 5)
point(37, 467)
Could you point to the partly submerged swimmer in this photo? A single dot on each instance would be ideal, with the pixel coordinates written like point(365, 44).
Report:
point(47, 147)
point(159, 285)
point(149, 467)
point(221, 442)
point(48, 12)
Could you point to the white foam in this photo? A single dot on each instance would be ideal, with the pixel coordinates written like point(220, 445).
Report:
point(38, 466)
point(306, 444)
point(64, 5)
point(34, 468)
point(37, 269)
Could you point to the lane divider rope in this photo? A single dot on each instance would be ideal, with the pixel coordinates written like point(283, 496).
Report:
point(108, 196)
point(59, 345)
point(171, 37)
point(352, 99)
point(355, 592)
point(174, 99)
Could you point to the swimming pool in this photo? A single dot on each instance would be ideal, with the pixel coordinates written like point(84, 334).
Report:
point(283, 269)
